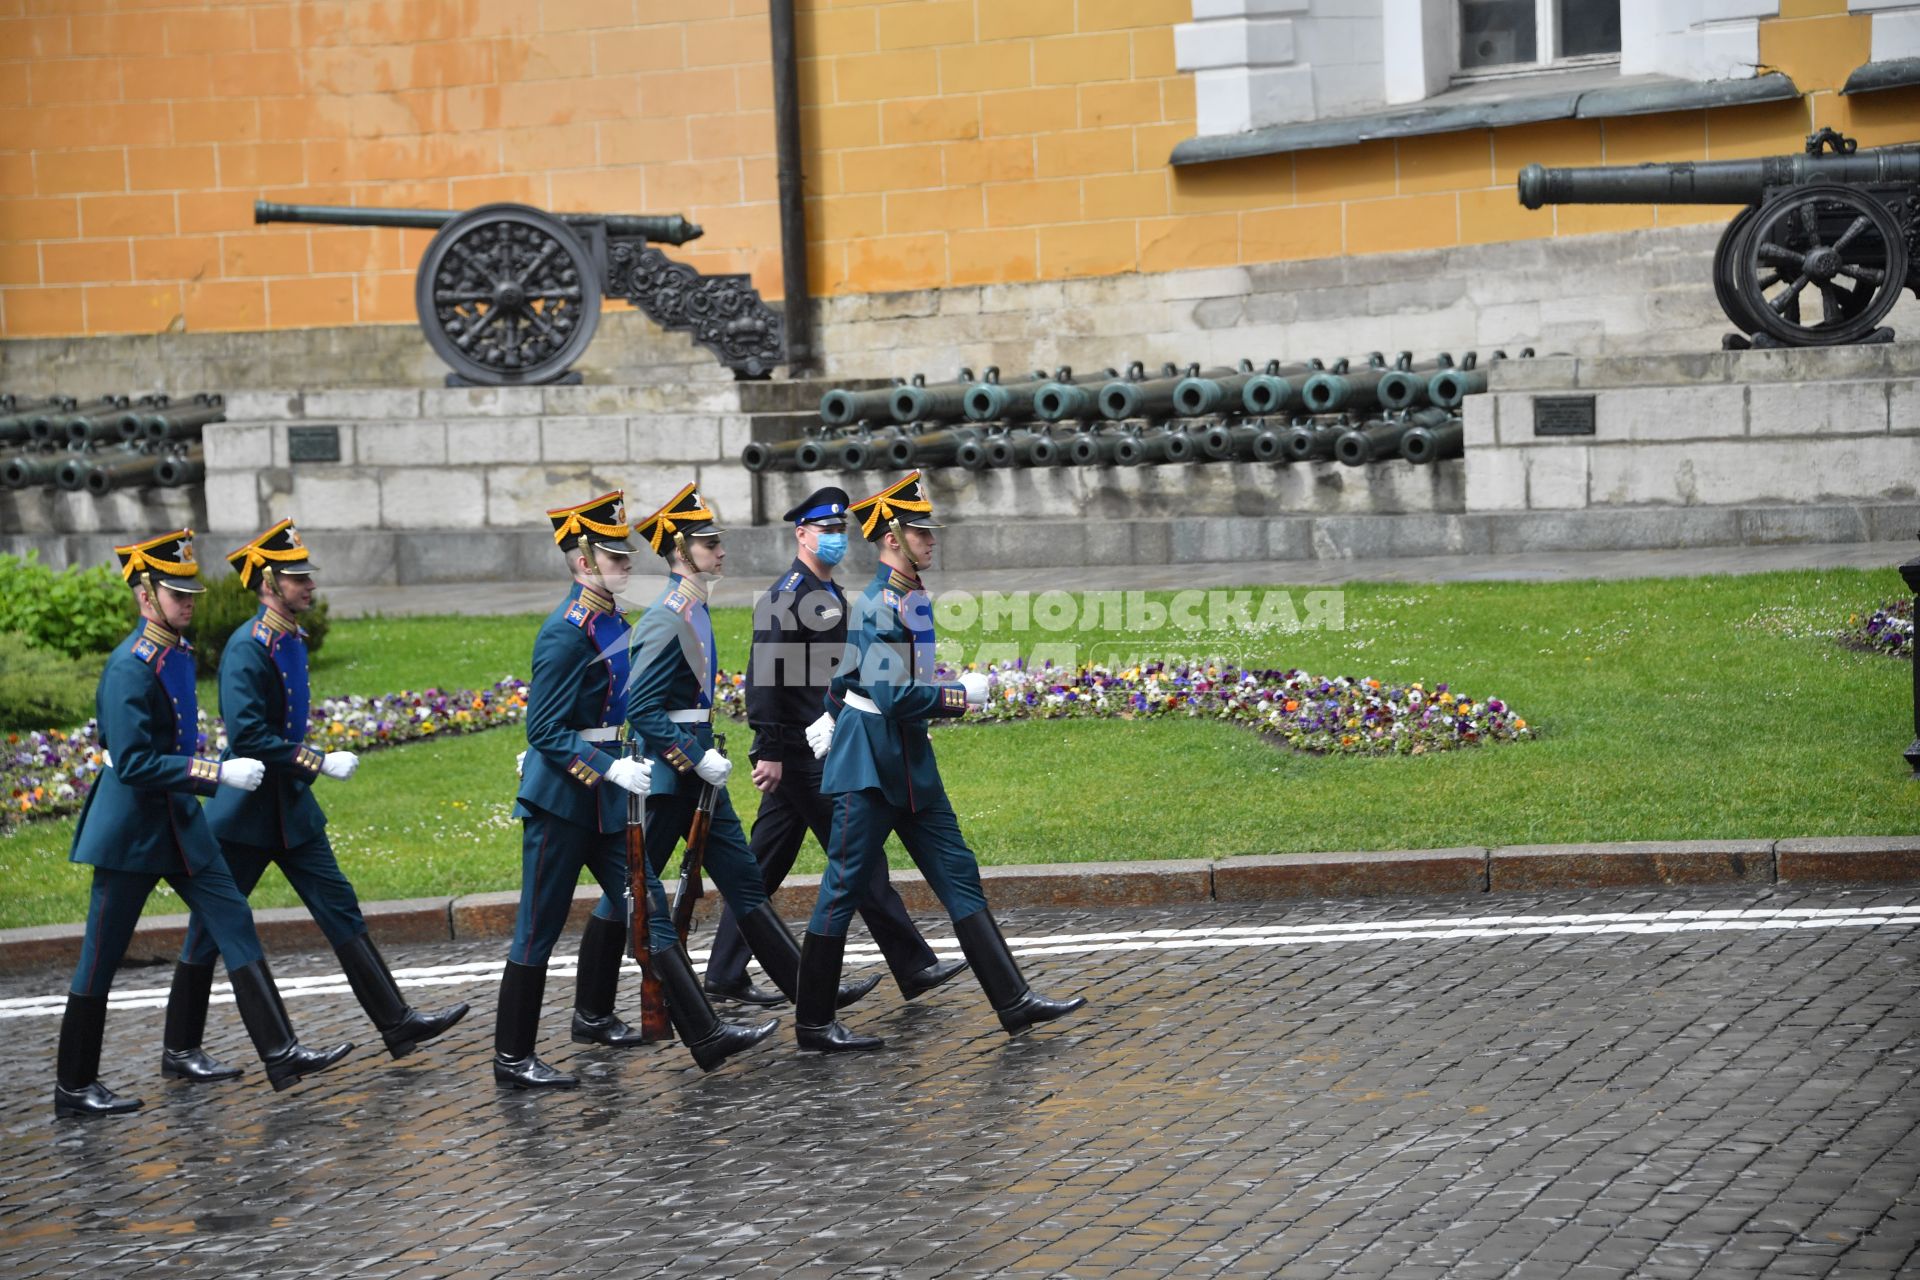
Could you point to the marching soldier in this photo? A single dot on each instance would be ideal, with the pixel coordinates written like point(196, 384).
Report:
point(265, 699)
point(799, 632)
point(572, 797)
point(670, 710)
point(881, 773)
point(142, 824)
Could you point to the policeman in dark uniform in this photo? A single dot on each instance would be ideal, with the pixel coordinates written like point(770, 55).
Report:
point(882, 776)
point(799, 633)
point(574, 784)
point(670, 709)
point(264, 699)
point(142, 824)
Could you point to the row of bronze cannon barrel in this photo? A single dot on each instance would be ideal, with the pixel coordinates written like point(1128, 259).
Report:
point(1309, 387)
point(108, 443)
point(1420, 436)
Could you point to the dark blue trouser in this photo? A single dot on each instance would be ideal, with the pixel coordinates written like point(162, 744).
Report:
point(315, 875)
point(118, 897)
point(727, 863)
point(786, 815)
point(553, 852)
point(862, 820)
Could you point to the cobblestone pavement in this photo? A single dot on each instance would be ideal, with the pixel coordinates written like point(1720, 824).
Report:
point(1708, 1083)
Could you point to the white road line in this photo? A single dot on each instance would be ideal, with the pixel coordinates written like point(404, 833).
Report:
point(1622, 923)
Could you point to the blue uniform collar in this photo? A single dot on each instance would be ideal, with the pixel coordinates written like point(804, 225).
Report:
point(279, 622)
point(691, 586)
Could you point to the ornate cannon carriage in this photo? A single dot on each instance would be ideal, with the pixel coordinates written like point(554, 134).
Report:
point(509, 295)
point(1819, 255)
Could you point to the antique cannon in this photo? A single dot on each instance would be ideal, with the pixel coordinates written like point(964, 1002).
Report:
point(1034, 448)
point(48, 425)
point(1138, 396)
point(100, 426)
point(15, 423)
point(806, 454)
point(1341, 390)
point(1278, 389)
point(931, 448)
point(1311, 440)
point(941, 403)
point(1405, 385)
point(176, 469)
point(1449, 388)
point(1104, 446)
point(1244, 441)
point(1377, 439)
point(990, 399)
point(1168, 444)
point(31, 469)
point(509, 295)
point(179, 422)
point(100, 473)
point(1818, 256)
point(1195, 397)
point(841, 407)
point(1071, 401)
point(1432, 439)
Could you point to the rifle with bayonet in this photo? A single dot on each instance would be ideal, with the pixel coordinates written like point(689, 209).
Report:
point(654, 1023)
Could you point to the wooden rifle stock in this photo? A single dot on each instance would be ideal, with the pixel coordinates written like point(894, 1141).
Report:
point(690, 889)
point(654, 1023)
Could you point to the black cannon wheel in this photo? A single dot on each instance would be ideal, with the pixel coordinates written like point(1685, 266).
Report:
point(508, 295)
point(1726, 270)
point(1821, 264)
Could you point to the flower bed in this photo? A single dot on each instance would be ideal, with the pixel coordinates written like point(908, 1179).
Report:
point(1320, 715)
point(49, 773)
point(1888, 629)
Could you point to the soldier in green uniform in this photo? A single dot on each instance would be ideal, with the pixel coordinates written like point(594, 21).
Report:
point(265, 699)
point(142, 824)
point(881, 773)
point(573, 806)
point(670, 710)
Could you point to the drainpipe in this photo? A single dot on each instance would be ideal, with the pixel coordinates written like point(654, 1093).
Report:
point(793, 208)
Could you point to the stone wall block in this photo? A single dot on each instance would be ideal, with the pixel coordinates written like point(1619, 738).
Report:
point(400, 444)
point(600, 441)
point(432, 498)
point(354, 403)
point(1818, 408)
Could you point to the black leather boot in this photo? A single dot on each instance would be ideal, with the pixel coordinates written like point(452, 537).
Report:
point(779, 955)
point(918, 984)
point(594, 1021)
point(710, 1040)
point(814, 1026)
point(516, 1026)
point(742, 992)
point(1000, 977)
point(272, 1031)
point(403, 1027)
point(181, 1057)
point(77, 1090)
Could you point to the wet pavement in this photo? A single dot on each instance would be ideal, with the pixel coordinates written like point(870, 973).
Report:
point(1649, 1084)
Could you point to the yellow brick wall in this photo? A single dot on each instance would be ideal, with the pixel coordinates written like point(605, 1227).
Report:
point(948, 142)
point(134, 138)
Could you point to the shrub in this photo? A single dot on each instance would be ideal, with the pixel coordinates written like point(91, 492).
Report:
point(226, 605)
point(41, 688)
point(74, 610)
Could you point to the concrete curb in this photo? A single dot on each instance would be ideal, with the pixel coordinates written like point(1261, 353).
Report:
point(1847, 860)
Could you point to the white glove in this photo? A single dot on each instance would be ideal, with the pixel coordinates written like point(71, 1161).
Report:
point(714, 768)
point(106, 758)
point(631, 775)
point(339, 764)
point(976, 687)
point(520, 765)
point(820, 736)
point(242, 773)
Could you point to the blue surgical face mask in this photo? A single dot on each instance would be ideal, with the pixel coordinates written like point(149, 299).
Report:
point(831, 548)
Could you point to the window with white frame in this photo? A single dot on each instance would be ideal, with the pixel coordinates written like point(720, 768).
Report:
point(1512, 37)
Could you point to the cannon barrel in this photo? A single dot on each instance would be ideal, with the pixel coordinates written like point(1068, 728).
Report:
point(1034, 449)
point(1202, 395)
point(662, 228)
point(943, 402)
point(1443, 436)
point(121, 468)
point(1256, 442)
point(1279, 389)
point(865, 451)
point(1311, 441)
point(13, 424)
point(841, 407)
point(806, 454)
point(1150, 398)
point(1357, 390)
point(930, 448)
point(1405, 387)
point(178, 469)
point(49, 426)
point(182, 421)
point(31, 470)
point(101, 427)
point(1097, 447)
point(1374, 441)
point(1714, 181)
point(1070, 401)
point(1166, 445)
point(1449, 388)
point(990, 400)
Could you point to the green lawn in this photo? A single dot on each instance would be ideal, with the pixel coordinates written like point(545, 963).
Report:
point(1667, 709)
